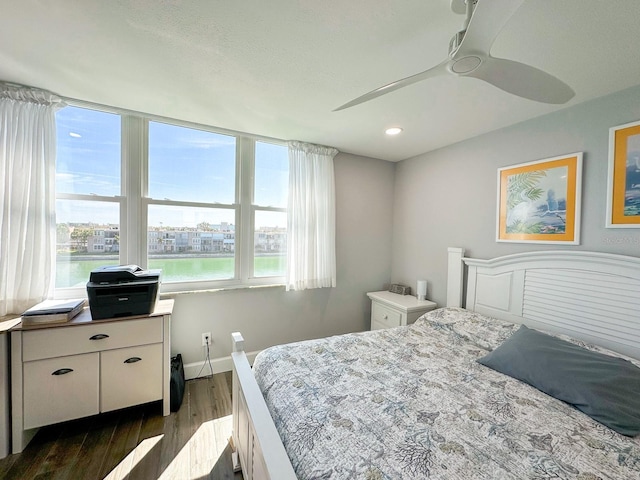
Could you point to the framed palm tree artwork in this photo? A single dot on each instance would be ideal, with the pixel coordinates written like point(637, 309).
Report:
point(623, 199)
point(539, 201)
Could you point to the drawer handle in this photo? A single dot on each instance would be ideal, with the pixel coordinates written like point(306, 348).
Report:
point(62, 371)
point(99, 336)
point(132, 360)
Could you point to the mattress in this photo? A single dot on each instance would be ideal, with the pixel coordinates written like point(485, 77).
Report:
point(412, 402)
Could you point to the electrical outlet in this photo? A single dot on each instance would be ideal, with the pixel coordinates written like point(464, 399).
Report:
point(206, 339)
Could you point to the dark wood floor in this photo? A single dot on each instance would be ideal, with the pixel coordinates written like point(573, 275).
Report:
point(137, 443)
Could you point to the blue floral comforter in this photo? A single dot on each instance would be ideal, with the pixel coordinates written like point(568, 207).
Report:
point(411, 402)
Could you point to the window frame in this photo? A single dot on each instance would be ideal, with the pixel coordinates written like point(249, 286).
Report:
point(134, 201)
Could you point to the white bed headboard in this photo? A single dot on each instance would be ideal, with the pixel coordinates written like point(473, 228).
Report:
point(588, 295)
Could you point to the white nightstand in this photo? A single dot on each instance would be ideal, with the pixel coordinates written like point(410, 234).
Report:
point(393, 310)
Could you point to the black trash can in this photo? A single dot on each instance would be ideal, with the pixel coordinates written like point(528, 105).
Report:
point(176, 386)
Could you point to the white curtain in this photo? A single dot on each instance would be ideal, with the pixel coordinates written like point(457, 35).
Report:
point(311, 226)
point(27, 202)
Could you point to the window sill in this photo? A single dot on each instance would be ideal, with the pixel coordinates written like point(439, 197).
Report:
point(172, 290)
point(164, 295)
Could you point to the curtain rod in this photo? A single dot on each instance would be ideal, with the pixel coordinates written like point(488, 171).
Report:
point(149, 116)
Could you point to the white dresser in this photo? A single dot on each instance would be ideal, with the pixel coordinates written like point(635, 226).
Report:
point(393, 310)
point(84, 367)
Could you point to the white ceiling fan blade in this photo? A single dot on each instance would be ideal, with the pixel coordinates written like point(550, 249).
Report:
point(432, 72)
point(523, 80)
point(489, 16)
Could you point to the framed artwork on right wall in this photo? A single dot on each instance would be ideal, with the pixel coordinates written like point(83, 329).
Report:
point(539, 201)
point(623, 191)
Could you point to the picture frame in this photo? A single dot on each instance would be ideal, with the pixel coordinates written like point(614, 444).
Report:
point(539, 201)
point(623, 186)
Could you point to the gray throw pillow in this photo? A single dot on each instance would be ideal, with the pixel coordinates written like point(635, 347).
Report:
point(604, 387)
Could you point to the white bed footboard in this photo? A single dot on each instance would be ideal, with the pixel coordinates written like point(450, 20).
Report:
point(261, 453)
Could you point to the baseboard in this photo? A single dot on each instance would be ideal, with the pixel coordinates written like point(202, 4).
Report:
point(218, 365)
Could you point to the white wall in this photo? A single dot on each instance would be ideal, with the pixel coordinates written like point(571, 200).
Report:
point(448, 197)
point(268, 316)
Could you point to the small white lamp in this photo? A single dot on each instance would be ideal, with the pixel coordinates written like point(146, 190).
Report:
point(421, 290)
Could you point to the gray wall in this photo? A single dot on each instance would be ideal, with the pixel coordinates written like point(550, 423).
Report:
point(269, 315)
point(448, 197)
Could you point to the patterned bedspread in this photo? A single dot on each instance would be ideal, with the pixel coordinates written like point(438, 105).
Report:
point(411, 402)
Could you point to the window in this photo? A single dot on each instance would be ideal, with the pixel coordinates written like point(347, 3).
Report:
point(192, 203)
point(207, 207)
point(88, 198)
point(269, 205)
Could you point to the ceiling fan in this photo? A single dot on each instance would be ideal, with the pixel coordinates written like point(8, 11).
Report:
point(469, 56)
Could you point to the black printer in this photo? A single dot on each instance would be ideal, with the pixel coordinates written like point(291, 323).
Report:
point(122, 291)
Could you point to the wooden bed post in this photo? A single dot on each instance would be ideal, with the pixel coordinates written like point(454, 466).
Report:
point(237, 342)
point(454, 276)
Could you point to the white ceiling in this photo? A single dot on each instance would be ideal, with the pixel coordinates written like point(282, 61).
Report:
point(278, 68)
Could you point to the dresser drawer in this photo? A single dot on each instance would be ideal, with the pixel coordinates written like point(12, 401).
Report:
point(60, 389)
point(130, 376)
point(384, 317)
point(76, 339)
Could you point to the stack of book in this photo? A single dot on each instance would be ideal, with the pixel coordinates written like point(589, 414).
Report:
point(52, 311)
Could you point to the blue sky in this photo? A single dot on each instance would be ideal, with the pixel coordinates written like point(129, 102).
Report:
point(185, 165)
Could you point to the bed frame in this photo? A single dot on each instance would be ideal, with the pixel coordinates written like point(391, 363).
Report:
point(591, 296)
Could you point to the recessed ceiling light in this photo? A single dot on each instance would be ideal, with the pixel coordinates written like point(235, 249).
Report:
point(393, 131)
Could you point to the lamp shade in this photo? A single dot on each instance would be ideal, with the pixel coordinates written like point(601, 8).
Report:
point(421, 290)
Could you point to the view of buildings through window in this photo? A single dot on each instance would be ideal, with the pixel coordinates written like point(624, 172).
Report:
point(190, 201)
